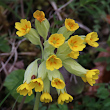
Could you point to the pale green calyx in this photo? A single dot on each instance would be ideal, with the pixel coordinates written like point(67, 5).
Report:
point(42, 70)
point(46, 85)
point(42, 28)
point(48, 50)
point(63, 51)
point(53, 74)
point(66, 33)
point(73, 67)
point(31, 70)
point(33, 37)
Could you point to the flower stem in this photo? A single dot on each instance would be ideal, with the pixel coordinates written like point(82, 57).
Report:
point(37, 100)
point(42, 51)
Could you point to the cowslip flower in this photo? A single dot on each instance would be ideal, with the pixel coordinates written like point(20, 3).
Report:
point(56, 40)
point(58, 83)
point(91, 76)
point(64, 97)
point(37, 84)
point(73, 54)
point(46, 97)
point(23, 27)
point(39, 15)
point(71, 25)
point(24, 89)
point(91, 39)
point(53, 63)
point(76, 43)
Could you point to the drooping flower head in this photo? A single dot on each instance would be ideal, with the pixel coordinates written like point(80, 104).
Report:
point(23, 27)
point(91, 76)
point(46, 97)
point(64, 97)
point(39, 15)
point(91, 39)
point(24, 89)
point(73, 54)
point(37, 84)
point(76, 43)
point(56, 40)
point(58, 83)
point(53, 63)
point(71, 25)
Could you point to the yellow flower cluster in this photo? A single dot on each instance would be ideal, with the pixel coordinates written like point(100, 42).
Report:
point(67, 49)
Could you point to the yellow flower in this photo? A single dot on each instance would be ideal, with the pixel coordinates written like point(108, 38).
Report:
point(73, 54)
point(23, 27)
point(37, 84)
point(46, 97)
point(91, 39)
point(53, 63)
point(24, 89)
point(39, 15)
point(56, 40)
point(71, 25)
point(58, 83)
point(64, 97)
point(76, 43)
point(91, 76)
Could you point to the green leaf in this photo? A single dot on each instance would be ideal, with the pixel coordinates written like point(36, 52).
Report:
point(4, 47)
point(108, 41)
point(102, 92)
point(106, 102)
point(101, 49)
point(101, 59)
point(58, 107)
point(11, 80)
point(108, 67)
point(108, 60)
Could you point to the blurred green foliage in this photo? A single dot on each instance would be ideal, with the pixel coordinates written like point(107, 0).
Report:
point(4, 46)
point(102, 102)
point(15, 78)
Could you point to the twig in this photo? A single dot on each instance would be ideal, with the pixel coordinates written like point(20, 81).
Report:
point(15, 59)
point(14, 49)
point(59, 9)
point(22, 102)
point(65, 5)
point(12, 53)
point(56, 9)
point(84, 27)
point(5, 71)
point(22, 53)
point(22, 9)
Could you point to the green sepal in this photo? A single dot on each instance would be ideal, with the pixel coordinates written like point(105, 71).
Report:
point(42, 28)
point(46, 85)
point(42, 70)
point(33, 37)
point(74, 67)
point(66, 33)
point(83, 37)
point(61, 90)
point(63, 51)
point(30, 71)
point(48, 50)
point(53, 74)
